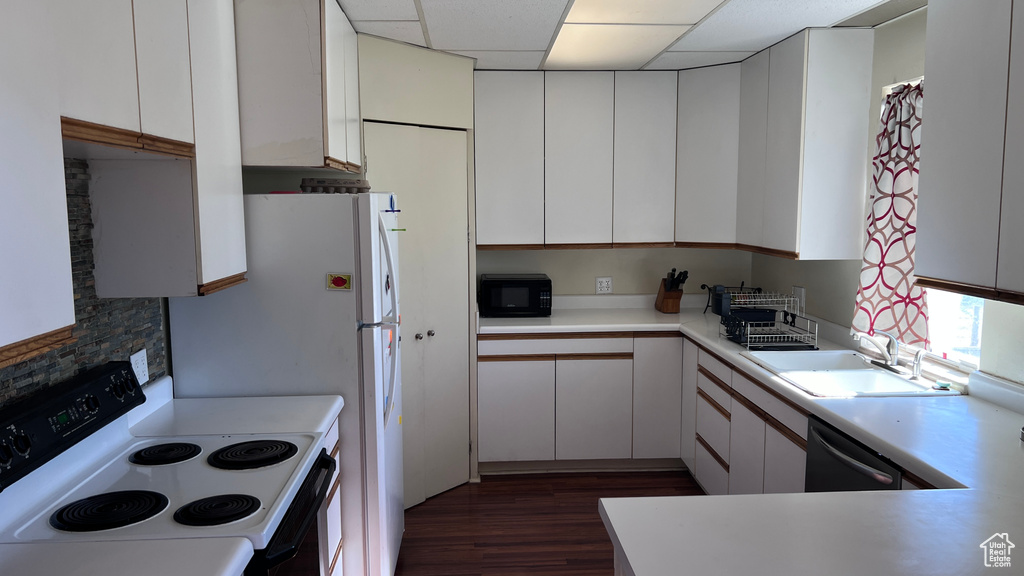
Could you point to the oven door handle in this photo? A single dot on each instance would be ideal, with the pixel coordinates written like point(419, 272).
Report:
point(298, 519)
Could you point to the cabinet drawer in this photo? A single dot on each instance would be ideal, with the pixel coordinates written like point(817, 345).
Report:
point(503, 346)
point(710, 474)
point(715, 390)
point(715, 366)
point(331, 541)
point(713, 427)
point(776, 408)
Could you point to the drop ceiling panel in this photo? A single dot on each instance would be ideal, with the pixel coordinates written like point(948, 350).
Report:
point(380, 9)
point(751, 25)
point(402, 31)
point(684, 60)
point(609, 47)
point(505, 60)
point(640, 11)
point(491, 24)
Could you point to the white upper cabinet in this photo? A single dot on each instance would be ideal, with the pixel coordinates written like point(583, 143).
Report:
point(706, 155)
point(509, 120)
point(164, 69)
point(294, 71)
point(644, 157)
point(36, 295)
point(578, 131)
point(753, 142)
point(815, 161)
point(962, 235)
point(97, 72)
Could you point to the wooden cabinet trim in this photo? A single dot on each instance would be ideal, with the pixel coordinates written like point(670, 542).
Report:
point(222, 284)
point(599, 246)
point(971, 290)
point(721, 461)
point(785, 431)
point(643, 244)
point(509, 246)
point(800, 409)
point(707, 374)
point(34, 346)
point(554, 336)
point(342, 165)
point(711, 401)
point(517, 358)
point(708, 245)
point(659, 334)
point(917, 480)
point(83, 131)
point(596, 356)
point(769, 251)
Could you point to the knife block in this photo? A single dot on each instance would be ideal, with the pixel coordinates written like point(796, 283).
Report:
point(667, 301)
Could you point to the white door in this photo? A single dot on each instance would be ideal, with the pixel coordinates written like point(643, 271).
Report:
point(427, 171)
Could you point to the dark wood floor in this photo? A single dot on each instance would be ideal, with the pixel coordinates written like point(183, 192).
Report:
point(524, 524)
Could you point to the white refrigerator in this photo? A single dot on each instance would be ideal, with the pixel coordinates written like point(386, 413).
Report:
point(318, 315)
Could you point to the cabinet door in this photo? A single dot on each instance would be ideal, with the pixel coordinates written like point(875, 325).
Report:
point(784, 463)
point(710, 473)
point(353, 122)
point(753, 134)
point(784, 138)
point(713, 427)
point(335, 92)
point(966, 62)
point(516, 408)
point(36, 296)
point(1010, 274)
point(217, 181)
point(593, 409)
point(707, 154)
point(96, 72)
point(578, 131)
point(644, 155)
point(509, 116)
point(657, 392)
point(746, 451)
point(688, 418)
point(165, 81)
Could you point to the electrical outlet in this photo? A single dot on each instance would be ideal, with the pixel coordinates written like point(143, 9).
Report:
point(800, 293)
point(604, 285)
point(140, 365)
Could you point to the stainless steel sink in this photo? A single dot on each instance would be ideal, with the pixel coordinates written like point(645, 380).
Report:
point(840, 374)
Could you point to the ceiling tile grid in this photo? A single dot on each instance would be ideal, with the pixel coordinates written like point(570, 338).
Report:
point(640, 12)
point(491, 24)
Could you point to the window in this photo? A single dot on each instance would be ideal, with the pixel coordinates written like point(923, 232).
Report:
point(954, 326)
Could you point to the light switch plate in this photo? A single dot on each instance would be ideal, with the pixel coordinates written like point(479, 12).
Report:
point(140, 365)
point(604, 285)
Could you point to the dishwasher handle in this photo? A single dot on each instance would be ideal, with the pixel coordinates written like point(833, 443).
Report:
point(852, 463)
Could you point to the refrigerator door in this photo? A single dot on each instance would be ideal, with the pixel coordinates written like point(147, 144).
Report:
point(378, 258)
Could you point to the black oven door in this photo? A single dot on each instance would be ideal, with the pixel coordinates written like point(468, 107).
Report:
point(298, 520)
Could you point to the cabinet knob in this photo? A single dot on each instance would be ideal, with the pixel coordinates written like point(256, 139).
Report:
point(419, 336)
point(430, 332)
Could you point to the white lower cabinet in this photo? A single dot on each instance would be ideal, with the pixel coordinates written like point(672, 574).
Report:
point(710, 473)
point(746, 451)
point(516, 407)
point(330, 540)
point(593, 408)
point(688, 416)
point(784, 463)
point(657, 372)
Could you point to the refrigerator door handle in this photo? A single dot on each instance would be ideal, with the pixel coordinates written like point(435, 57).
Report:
point(391, 322)
point(390, 259)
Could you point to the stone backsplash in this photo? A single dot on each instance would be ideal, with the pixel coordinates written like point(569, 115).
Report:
point(106, 328)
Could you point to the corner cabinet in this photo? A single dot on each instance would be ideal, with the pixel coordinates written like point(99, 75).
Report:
point(803, 194)
point(298, 84)
point(36, 297)
point(970, 218)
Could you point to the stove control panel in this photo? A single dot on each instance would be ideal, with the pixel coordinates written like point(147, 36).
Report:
point(35, 430)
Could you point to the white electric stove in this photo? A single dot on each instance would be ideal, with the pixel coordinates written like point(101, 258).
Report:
point(164, 476)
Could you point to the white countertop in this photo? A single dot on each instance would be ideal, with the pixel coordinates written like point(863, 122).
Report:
point(220, 556)
point(951, 442)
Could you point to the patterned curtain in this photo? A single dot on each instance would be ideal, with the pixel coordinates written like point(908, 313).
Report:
point(888, 298)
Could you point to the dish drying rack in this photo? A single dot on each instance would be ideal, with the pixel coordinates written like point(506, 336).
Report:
point(767, 321)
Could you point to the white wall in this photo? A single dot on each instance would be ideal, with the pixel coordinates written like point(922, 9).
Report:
point(633, 270)
point(832, 285)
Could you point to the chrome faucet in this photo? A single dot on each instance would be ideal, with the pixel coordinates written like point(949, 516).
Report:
point(890, 350)
point(918, 362)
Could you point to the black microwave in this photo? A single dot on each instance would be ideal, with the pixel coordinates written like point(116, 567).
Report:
point(503, 295)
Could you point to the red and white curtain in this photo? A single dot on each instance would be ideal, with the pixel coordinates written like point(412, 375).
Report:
point(888, 298)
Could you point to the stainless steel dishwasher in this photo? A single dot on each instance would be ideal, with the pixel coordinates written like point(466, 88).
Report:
point(837, 463)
